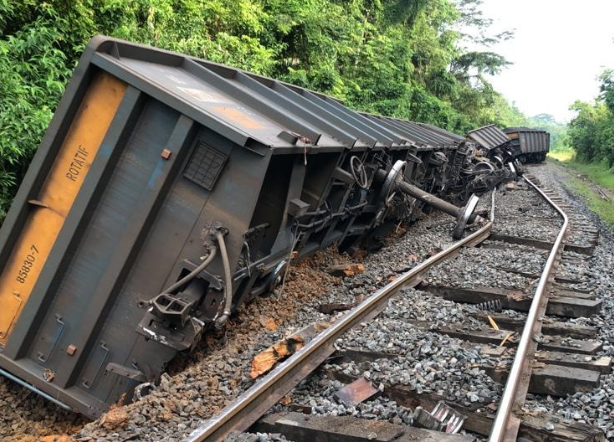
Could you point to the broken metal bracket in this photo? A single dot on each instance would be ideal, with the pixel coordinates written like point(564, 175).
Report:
point(442, 418)
point(126, 372)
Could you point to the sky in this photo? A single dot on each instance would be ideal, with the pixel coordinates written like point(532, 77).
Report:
point(558, 50)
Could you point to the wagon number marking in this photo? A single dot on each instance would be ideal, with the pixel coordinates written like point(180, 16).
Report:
point(27, 264)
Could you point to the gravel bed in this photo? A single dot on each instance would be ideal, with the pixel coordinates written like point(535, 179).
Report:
point(256, 437)
point(579, 234)
point(422, 360)
point(483, 267)
point(317, 393)
point(27, 414)
point(426, 361)
point(524, 213)
point(574, 266)
point(501, 267)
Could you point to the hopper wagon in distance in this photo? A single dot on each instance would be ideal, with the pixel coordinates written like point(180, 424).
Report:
point(531, 145)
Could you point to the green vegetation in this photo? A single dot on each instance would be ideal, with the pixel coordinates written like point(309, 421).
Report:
point(599, 173)
point(589, 148)
point(559, 140)
point(603, 208)
point(564, 155)
point(591, 132)
point(404, 58)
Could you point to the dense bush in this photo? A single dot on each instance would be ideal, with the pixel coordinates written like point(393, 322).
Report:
point(396, 57)
point(591, 132)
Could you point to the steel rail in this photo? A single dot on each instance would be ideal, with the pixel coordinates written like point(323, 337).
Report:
point(499, 431)
point(254, 402)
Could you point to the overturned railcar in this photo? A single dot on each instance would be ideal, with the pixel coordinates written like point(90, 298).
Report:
point(168, 190)
point(532, 145)
point(495, 146)
point(493, 142)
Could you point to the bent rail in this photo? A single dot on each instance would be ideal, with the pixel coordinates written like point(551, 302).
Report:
point(501, 429)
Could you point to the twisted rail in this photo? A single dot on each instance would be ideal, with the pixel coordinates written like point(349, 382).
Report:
point(505, 429)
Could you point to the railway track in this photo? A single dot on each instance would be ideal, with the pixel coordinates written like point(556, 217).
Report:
point(441, 329)
point(529, 347)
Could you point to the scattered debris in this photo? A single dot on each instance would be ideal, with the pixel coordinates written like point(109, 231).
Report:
point(269, 323)
point(56, 438)
point(507, 338)
point(358, 391)
point(516, 296)
point(442, 418)
point(493, 305)
point(48, 375)
point(329, 309)
point(345, 270)
point(115, 418)
point(286, 400)
point(493, 324)
point(265, 360)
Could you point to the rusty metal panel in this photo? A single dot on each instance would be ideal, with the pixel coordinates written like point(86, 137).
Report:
point(488, 137)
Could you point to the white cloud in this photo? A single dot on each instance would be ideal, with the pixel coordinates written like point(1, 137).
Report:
point(559, 49)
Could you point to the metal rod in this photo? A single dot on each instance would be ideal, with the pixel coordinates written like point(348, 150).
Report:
point(500, 424)
point(230, 417)
point(23, 383)
point(429, 199)
point(424, 196)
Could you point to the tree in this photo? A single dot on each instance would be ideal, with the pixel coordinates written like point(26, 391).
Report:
point(403, 58)
point(591, 132)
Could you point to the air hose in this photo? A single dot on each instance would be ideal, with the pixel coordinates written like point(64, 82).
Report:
point(190, 276)
point(221, 321)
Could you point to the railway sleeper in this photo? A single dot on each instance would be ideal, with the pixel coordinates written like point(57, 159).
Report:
point(544, 245)
point(573, 291)
point(300, 427)
point(559, 280)
point(599, 364)
point(554, 373)
point(553, 380)
point(549, 327)
point(562, 291)
point(497, 337)
point(543, 427)
point(571, 307)
point(303, 428)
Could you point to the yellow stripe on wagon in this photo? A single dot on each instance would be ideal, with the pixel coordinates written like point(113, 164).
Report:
point(56, 197)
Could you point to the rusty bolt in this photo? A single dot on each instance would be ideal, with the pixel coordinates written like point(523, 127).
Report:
point(71, 350)
point(166, 154)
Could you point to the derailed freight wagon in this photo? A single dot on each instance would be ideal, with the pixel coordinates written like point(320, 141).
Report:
point(532, 144)
point(168, 190)
point(494, 144)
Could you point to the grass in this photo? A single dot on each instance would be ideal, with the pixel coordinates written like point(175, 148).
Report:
point(562, 155)
point(599, 174)
point(603, 208)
